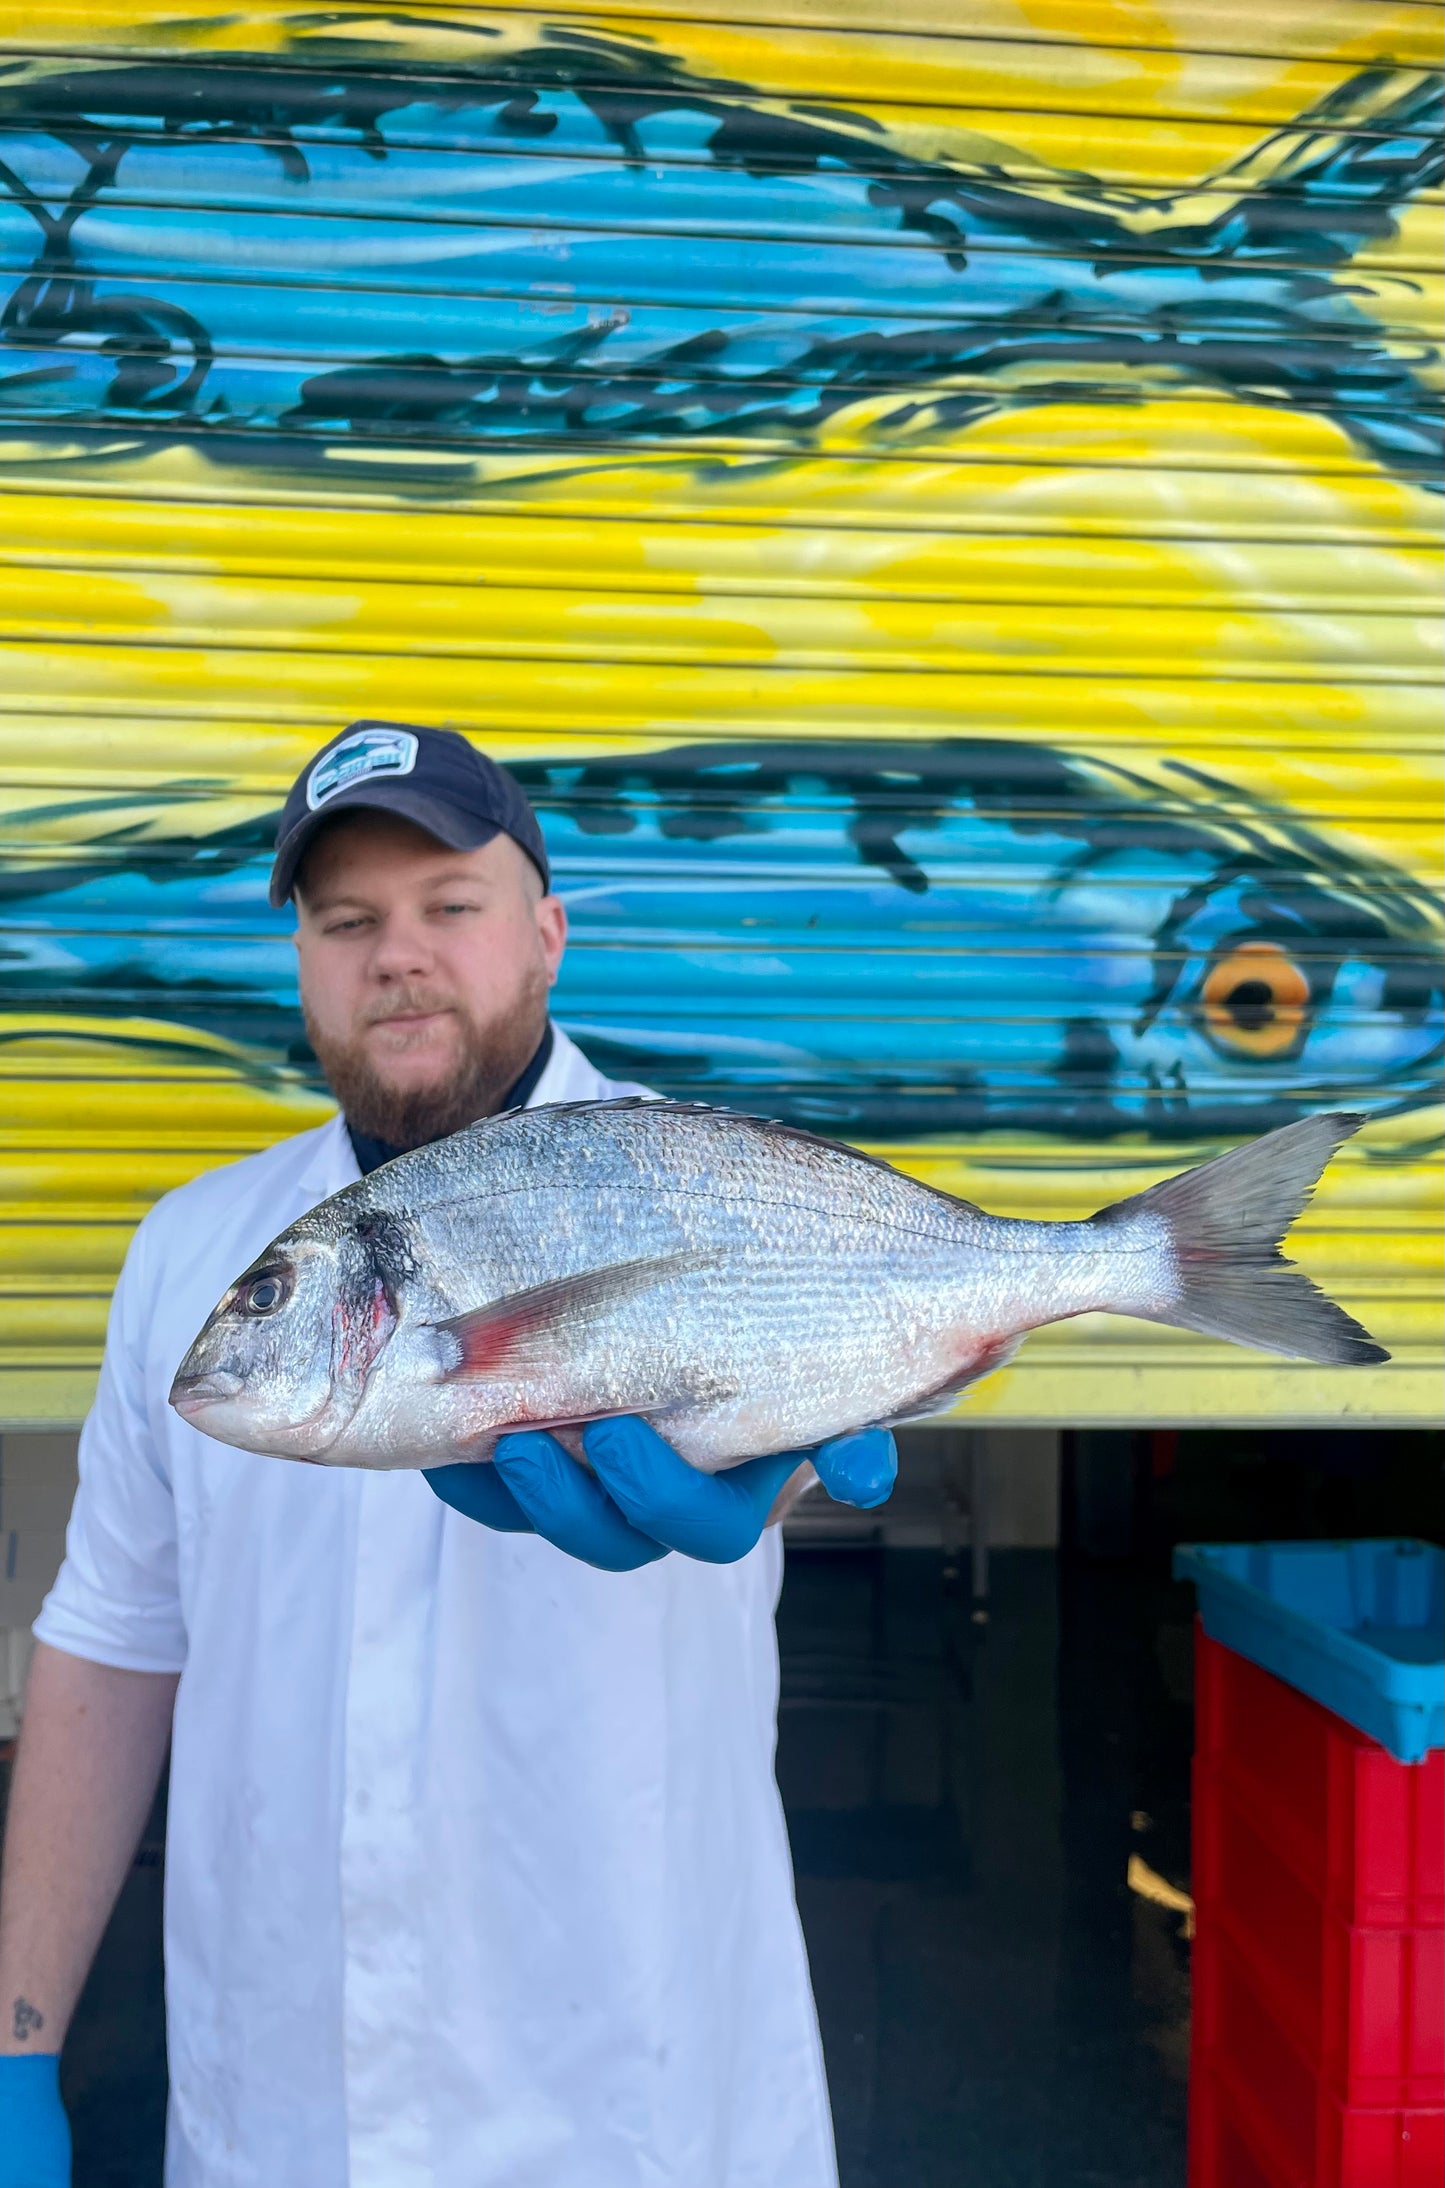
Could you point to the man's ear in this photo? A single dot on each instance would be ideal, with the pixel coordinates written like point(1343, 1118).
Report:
point(552, 928)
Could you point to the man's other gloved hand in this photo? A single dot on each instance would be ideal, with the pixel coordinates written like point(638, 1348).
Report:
point(641, 1499)
point(34, 2132)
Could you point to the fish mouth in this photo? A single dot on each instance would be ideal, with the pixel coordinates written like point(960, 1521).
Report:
point(192, 1395)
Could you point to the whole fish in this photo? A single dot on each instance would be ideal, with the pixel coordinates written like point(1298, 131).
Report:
point(745, 1286)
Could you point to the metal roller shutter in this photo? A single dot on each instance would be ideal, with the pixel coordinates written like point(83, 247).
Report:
point(944, 518)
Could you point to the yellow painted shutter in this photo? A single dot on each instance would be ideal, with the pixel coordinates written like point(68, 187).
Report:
point(940, 505)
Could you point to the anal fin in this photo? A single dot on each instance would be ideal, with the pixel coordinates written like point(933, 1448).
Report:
point(995, 1354)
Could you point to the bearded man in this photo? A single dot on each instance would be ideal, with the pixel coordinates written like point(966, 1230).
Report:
point(476, 1870)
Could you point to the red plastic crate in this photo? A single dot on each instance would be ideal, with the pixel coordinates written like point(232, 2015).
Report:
point(1232, 2144)
point(1361, 1829)
point(1318, 2055)
point(1364, 2005)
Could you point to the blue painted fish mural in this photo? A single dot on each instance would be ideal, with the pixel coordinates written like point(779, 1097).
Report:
point(887, 938)
point(815, 264)
point(943, 518)
point(973, 936)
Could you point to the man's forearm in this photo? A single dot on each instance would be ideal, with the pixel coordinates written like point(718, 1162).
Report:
point(90, 1754)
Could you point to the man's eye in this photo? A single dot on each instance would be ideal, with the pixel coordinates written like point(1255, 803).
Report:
point(264, 1294)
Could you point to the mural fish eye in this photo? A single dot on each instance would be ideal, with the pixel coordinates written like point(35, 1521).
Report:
point(127, 311)
point(888, 937)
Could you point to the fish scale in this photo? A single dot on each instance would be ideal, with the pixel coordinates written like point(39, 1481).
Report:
point(746, 1286)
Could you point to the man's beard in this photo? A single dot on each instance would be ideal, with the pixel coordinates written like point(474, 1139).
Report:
point(490, 1060)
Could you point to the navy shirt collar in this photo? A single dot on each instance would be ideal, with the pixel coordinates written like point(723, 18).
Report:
point(371, 1154)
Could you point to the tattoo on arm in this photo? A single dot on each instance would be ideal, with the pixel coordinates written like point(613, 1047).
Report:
point(27, 2020)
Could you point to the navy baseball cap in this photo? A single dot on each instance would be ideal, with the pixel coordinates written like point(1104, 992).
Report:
point(430, 776)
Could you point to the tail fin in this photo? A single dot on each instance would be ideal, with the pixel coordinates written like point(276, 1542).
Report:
point(1226, 1220)
point(1373, 139)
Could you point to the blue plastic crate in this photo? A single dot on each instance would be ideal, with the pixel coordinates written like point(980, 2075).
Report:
point(1358, 1626)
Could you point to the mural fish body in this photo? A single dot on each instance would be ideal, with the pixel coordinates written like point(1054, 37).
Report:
point(967, 936)
point(817, 264)
point(978, 935)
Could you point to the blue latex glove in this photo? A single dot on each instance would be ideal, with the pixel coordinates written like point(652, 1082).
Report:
point(34, 2132)
point(641, 1500)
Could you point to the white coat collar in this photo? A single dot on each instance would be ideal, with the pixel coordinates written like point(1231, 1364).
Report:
point(568, 1076)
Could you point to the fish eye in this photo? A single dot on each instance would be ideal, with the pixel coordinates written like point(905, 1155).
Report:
point(265, 1293)
point(1255, 1000)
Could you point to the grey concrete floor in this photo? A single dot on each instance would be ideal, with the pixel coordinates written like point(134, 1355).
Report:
point(998, 2010)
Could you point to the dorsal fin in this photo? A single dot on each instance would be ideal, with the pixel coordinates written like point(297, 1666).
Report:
point(773, 1127)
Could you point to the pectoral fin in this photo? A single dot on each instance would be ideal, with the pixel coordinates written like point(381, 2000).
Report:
point(507, 1334)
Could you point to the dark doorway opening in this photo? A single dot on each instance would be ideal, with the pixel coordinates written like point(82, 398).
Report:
point(971, 1787)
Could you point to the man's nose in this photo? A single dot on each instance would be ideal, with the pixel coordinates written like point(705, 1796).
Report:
point(402, 950)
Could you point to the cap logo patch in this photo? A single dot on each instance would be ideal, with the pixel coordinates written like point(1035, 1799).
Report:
point(365, 752)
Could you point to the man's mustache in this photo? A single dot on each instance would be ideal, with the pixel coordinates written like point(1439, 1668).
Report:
point(406, 1003)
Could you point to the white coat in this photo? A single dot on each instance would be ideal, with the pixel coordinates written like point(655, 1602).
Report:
point(477, 1874)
